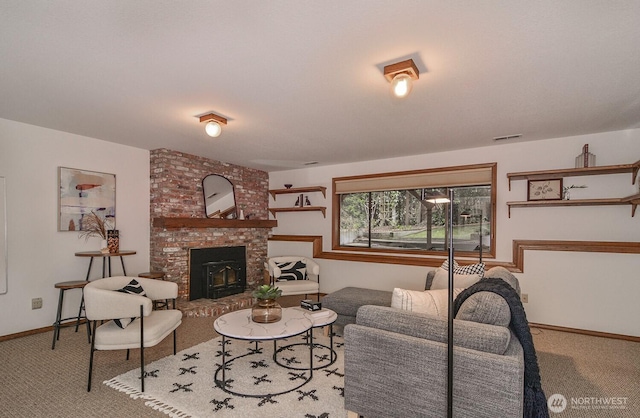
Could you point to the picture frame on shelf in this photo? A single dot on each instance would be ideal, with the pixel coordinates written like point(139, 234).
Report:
point(544, 190)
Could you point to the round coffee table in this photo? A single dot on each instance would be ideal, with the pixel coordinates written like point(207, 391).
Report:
point(321, 319)
point(238, 325)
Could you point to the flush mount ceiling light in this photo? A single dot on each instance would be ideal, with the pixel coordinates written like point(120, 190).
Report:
point(401, 76)
point(214, 121)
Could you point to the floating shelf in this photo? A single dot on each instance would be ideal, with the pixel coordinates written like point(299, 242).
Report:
point(577, 172)
point(168, 223)
point(322, 209)
point(310, 189)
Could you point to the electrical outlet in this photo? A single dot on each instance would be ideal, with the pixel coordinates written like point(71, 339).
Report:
point(36, 303)
point(524, 297)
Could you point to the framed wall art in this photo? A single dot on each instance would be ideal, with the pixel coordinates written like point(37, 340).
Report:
point(545, 189)
point(83, 192)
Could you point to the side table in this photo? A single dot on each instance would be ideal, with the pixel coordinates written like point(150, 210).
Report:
point(92, 254)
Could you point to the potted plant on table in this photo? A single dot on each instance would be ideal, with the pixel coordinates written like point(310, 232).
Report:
point(266, 309)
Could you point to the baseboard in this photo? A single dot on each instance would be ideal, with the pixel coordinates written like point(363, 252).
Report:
point(586, 332)
point(531, 325)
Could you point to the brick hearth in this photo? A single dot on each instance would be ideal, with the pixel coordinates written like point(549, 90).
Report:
point(176, 191)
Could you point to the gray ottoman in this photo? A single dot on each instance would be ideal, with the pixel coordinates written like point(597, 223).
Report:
point(345, 302)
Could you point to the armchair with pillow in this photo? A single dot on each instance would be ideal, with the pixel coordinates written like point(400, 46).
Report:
point(396, 358)
point(295, 275)
point(124, 306)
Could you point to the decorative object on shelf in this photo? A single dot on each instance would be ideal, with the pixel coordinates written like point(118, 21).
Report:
point(565, 191)
point(241, 216)
point(586, 159)
point(306, 201)
point(82, 192)
point(266, 310)
point(95, 226)
point(113, 241)
point(545, 189)
point(288, 186)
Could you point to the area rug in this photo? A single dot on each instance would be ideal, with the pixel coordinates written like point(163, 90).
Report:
point(183, 385)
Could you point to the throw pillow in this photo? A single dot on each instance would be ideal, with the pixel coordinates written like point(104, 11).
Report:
point(432, 302)
point(460, 278)
point(134, 288)
point(292, 270)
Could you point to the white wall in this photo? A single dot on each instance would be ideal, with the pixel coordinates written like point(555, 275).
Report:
point(590, 291)
point(39, 255)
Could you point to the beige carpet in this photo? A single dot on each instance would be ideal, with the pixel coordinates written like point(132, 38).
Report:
point(36, 381)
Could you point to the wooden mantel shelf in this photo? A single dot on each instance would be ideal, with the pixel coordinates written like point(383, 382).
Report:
point(168, 223)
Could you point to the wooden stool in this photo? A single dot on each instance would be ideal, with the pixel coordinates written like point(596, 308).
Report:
point(64, 286)
point(160, 276)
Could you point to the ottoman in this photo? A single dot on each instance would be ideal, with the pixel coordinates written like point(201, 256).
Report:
point(345, 302)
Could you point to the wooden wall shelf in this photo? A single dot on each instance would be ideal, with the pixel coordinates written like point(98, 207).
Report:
point(322, 209)
point(633, 200)
point(577, 172)
point(310, 189)
point(171, 223)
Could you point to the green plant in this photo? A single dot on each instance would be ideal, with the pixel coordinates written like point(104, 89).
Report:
point(267, 291)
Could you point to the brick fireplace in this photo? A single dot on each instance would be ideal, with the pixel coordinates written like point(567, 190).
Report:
point(176, 191)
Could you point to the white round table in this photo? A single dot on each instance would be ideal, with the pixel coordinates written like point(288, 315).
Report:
point(238, 325)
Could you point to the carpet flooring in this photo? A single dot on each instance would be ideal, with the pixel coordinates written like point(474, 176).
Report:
point(36, 381)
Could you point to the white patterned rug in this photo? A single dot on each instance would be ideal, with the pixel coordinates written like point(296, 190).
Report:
point(183, 385)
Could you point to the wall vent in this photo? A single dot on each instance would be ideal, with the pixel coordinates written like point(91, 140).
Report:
point(502, 138)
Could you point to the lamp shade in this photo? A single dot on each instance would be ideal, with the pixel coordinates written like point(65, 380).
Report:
point(401, 85)
point(213, 129)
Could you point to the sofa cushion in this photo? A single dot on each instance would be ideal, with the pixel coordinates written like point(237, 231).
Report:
point(346, 301)
point(472, 335)
point(460, 280)
point(293, 270)
point(500, 272)
point(434, 302)
point(487, 308)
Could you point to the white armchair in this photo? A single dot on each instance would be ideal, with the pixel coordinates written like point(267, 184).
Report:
point(295, 275)
point(148, 327)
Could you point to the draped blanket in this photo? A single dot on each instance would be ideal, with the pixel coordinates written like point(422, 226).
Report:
point(535, 402)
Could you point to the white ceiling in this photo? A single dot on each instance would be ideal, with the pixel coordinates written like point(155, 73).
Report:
point(302, 81)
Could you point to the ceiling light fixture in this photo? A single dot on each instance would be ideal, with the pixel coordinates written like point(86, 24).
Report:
point(401, 76)
point(214, 121)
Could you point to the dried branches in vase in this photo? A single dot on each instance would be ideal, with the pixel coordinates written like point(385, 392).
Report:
point(95, 226)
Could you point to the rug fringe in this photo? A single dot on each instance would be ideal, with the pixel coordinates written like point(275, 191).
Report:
point(133, 393)
point(152, 402)
point(167, 409)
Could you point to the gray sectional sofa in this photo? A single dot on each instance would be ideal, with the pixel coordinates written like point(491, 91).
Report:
point(396, 361)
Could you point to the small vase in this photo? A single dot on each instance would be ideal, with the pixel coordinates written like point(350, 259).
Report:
point(113, 241)
point(104, 249)
point(266, 311)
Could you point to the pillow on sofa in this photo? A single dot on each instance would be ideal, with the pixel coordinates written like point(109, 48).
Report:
point(460, 278)
point(292, 270)
point(134, 288)
point(432, 302)
point(487, 308)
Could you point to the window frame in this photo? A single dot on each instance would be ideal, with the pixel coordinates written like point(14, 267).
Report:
point(395, 176)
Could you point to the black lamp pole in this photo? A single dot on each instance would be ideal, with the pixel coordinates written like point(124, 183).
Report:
point(450, 316)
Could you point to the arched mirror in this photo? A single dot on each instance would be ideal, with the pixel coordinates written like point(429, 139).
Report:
point(219, 197)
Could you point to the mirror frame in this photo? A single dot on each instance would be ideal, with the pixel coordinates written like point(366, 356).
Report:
point(228, 212)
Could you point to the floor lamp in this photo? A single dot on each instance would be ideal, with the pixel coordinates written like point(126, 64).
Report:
point(450, 316)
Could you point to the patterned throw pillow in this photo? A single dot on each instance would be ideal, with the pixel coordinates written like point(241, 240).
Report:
point(463, 276)
point(292, 270)
point(133, 288)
